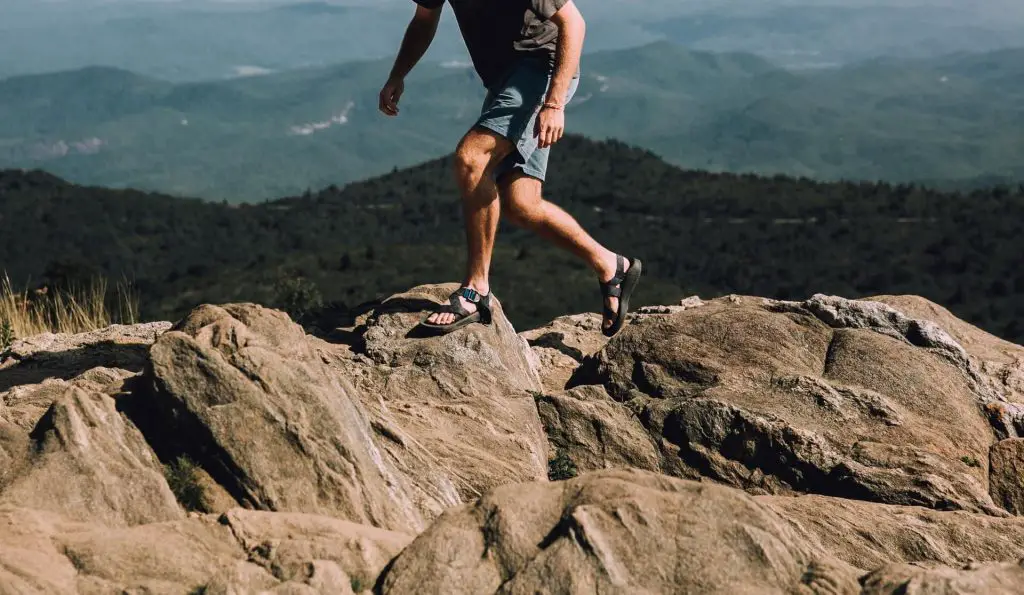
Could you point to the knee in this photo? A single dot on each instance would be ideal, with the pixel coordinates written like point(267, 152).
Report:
point(522, 213)
point(471, 162)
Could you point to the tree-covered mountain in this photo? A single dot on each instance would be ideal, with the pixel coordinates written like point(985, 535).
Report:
point(189, 40)
point(948, 121)
point(698, 232)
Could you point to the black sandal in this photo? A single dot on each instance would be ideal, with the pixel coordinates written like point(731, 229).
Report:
point(463, 317)
point(620, 286)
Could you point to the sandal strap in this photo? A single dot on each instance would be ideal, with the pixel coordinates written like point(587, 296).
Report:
point(454, 306)
point(613, 286)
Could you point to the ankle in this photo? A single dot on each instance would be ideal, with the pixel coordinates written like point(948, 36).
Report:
point(480, 286)
point(606, 265)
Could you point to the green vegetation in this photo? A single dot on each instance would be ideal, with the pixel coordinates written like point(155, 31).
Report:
point(181, 477)
point(561, 467)
point(7, 335)
point(297, 296)
point(954, 121)
point(698, 233)
point(970, 461)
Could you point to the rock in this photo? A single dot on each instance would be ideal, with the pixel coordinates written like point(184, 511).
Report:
point(259, 410)
point(1006, 474)
point(562, 344)
point(388, 434)
point(43, 553)
point(617, 531)
point(999, 364)
point(242, 552)
point(984, 579)
point(285, 543)
point(88, 462)
point(34, 359)
point(596, 432)
point(772, 399)
point(455, 414)
point(868, 535)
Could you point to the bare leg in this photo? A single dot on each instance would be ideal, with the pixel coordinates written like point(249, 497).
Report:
point(525, 206)
point(478, 154)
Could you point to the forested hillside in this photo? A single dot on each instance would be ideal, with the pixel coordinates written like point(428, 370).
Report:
point(698, 232)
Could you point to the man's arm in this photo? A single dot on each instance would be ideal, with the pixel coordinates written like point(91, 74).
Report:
point(572, 29)
point(418, 36)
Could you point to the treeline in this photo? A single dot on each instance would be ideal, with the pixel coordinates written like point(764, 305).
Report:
point(698, 232)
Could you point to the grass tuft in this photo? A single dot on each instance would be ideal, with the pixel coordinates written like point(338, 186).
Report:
point(182, 479)
point(71, 310)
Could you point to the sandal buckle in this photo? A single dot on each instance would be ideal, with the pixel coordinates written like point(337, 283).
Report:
point(470, 294)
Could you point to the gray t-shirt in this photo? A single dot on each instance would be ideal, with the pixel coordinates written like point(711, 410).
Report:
point(500, 32)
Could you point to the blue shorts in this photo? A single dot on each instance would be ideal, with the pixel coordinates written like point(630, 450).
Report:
point(511, 109)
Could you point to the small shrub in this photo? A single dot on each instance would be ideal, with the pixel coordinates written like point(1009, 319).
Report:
point(6, 334)
point(970, 461)
point(181, 477)
point(357, 584)
point(297, 296)
point(562, 467)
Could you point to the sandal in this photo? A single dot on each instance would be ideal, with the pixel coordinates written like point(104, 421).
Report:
point(463, 317)
point(620, 286)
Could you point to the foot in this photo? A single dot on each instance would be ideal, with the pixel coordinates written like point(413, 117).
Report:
point(608, 269)
point(444, 318)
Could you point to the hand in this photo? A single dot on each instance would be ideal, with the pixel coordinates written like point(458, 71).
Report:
point(550, 126)
point(390, 95)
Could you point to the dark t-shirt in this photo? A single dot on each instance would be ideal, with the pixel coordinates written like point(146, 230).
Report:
point(499, 32)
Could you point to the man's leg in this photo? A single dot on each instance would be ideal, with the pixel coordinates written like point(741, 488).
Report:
point(478, 155)
point(525, 206)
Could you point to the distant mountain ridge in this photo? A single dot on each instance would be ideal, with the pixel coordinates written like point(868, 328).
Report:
point(950, 121)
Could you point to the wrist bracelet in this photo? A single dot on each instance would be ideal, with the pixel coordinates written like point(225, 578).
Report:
point(553, 106)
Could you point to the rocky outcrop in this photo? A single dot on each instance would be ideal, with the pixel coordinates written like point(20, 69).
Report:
point(86, 460)
point(825, 397)
point(618, 531)
point(826, 446)
point(388, 435)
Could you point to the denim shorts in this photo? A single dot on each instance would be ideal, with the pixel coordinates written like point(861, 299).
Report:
point(511, 109)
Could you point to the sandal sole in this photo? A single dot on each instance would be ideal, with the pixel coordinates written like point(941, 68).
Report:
point(636, 270)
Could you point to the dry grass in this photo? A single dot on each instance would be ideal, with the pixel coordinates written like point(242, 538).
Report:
point(32, 312)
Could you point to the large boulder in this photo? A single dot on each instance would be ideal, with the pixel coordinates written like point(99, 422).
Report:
point(256, 406)
point(455, 413)
point(617, 531)
point(828, 396)
point(86, 460)
point(388, 431)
